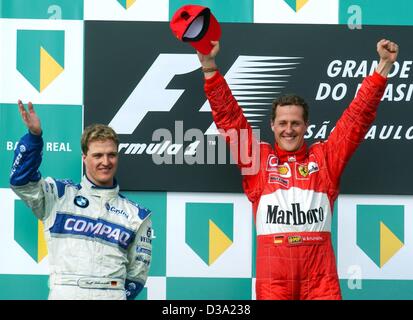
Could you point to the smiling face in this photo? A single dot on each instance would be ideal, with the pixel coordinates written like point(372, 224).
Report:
point(101, 162)
point(289, 127)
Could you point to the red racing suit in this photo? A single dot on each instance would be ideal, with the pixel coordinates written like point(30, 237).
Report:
point(293, 194)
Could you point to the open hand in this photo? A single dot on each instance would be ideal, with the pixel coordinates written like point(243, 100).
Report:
point(30, 118)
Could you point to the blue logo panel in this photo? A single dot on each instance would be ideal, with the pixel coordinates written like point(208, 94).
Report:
point(90, 228)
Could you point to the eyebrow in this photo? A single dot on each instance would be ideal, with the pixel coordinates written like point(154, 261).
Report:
point(100, 153)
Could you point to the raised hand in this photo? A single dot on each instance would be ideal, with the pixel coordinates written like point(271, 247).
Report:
point(208, 60)
point(30, 118)
point(388, 52)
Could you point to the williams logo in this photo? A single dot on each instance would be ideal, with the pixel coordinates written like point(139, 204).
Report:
point(127, 3)
point(40, 56)
point(380, 231)
point(209, 229)
point(296, 5)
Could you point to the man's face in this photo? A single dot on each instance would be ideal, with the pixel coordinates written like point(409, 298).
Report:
point(101, 162)
point(289, 127)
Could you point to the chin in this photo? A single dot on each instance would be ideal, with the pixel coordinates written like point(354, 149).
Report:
point(289, 148)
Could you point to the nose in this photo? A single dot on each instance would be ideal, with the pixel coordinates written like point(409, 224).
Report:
point(289, 128)
point(105, 160)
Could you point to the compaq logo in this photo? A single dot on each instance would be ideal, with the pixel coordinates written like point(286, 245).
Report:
point(71, 225)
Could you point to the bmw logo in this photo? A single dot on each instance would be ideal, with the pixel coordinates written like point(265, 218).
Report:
point(81, 201)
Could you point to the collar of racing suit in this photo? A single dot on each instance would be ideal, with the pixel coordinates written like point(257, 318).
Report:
point(291, 156)
point(93, 189)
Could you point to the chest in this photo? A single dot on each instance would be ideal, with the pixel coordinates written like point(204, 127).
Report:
point(309, 173)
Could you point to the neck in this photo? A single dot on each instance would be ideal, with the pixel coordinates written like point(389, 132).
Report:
point(110, 184)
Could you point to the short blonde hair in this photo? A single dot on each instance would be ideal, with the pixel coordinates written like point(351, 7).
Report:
point(95, 132)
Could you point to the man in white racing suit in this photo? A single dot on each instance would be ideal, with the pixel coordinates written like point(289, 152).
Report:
point(99, 242)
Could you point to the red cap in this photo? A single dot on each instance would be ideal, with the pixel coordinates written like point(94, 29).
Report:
point(196, 25)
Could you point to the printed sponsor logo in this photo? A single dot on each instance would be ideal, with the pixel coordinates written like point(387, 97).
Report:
point(143, 250)
point(272, 163)
point(284, 170)
point(296, 216)
point(81, 202)
point(312, 167)
point(274, 178)
point(295, 239)
point(71, 225)
point(303, 170)
point(29, 232)
point(166, 66)
point(143, 260)
point(380, 231)
point(149, 233)
point(40, 56)
point(209, 229)
point(296, 5)
point(146, 239)
point(116, 211)
point(126, 3)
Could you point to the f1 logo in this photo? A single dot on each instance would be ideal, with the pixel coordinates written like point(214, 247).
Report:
point(150, 94)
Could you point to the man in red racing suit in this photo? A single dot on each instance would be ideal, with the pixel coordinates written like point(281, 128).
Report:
point(294, 190)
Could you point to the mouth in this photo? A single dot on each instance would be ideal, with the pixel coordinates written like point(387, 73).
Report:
point(105, 170)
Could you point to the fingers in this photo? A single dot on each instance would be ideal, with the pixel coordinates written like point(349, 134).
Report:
point(31, 108)
point(23, 112)
point(215, 49)
point(392, 47)
point(383, 42)
point(388, 45)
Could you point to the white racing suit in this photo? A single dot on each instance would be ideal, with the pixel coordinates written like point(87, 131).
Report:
point(99, 242)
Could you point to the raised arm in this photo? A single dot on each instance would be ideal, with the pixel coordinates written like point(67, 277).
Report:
point(353, 125)
point(25, 178)
point(209, 67)
point(228, 115)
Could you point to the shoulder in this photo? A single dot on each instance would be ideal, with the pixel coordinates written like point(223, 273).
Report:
point(61, 185)
point(265, 146)
point(318, 149)
point(141, 211)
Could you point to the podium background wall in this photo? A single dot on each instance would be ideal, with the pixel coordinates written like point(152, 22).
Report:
point(78, 78)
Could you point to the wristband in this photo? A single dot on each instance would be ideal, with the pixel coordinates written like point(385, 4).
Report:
point(209, 69)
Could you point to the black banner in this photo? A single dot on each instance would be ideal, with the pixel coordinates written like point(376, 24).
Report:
point(139, 79)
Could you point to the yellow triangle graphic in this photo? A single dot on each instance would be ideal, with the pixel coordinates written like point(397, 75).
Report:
point(49, 69)
point(218, 242)
point(41, 242)
point(300, 3)
point(129, 3)
point(389, 244)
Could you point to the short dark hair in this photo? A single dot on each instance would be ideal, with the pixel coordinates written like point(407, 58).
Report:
point(289, 99)
point(96, 132)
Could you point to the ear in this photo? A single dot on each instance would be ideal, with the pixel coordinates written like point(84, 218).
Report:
point(272, 126)
point(83, 158)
